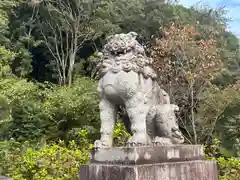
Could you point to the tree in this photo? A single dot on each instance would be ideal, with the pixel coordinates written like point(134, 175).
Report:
point(231, 59)
point(30, 19)
point(219, 117)
point(6, 57)
point(227, 127)
point(68, 24)
point(186, 64)
point(5, 8)
point(6, 12)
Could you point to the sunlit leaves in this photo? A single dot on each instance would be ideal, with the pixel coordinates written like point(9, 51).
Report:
point(181, 54)
point(186, 63)
point(6, 57)
point(49, 162)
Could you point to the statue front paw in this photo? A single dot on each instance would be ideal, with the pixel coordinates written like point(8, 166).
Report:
point(177, 136)
point(98, 144)
point(137, 140)
point(104, 142)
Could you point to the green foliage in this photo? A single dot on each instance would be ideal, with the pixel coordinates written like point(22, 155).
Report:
point(24, 161)
point(73, 107)
point(213, 110)
point(29, 121)
point(48, 162)
point(100, 19)
point(229, 124)
point(9, 151)
point(4, 108)
point(32, 112)
point(218, 115)
point(16, 90)
point(5, 58)
point(231, 58)
point(5, 8)
point(38, 111)
point(120, 135)
point(51, 163)
point(229, 167)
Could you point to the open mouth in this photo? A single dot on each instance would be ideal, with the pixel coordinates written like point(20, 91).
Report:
point(120, 52)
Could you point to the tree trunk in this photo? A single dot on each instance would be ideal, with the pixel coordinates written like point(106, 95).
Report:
point(192, 112)
point(70, 68)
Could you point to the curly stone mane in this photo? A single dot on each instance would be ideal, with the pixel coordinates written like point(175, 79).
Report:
point(122, 52)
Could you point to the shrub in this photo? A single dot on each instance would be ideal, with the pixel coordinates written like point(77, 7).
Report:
point(228, 168)
point(50, 112)
point(6, 57)
point(38, 161)
point(48, 162)
point(52, 162)
point(74, 107)
point(9, 152)
point(120, 135)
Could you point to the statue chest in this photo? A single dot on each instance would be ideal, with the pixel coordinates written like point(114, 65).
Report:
point(122, 84)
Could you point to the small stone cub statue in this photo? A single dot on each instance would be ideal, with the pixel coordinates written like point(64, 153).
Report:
point(162, 126)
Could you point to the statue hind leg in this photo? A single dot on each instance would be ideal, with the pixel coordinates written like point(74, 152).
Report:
point(108, 120)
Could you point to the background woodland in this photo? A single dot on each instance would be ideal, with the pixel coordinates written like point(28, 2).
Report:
point(49, 114)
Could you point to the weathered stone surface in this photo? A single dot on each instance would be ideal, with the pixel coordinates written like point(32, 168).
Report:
point(178, 162)
point(147, 154)
point(189, 170)
point(128, 81)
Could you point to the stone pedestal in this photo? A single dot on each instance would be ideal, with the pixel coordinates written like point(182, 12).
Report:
point(181, 162)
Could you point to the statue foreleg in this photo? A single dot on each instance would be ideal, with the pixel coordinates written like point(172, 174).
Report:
point(108, 120)
point(137, 110)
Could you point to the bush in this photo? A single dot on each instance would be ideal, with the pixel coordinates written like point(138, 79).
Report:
point(58, 161)
point(25, 161)
point(9, 152)
point(52, 162)
point(120, 135)
point(4, 108)
point(229, 168)
point(6, 57)
point(16, 90)
point(49, 111)
point(75, 107)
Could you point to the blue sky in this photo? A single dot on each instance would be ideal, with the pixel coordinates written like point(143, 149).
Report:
point(232, 6)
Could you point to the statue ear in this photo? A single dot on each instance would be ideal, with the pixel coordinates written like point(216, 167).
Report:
point(133, 34)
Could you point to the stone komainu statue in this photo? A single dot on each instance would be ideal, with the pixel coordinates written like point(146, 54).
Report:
point(127, 80)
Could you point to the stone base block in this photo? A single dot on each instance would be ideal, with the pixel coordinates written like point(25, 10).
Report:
point(192, 170)
point(147, 154)
point(183, 162)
